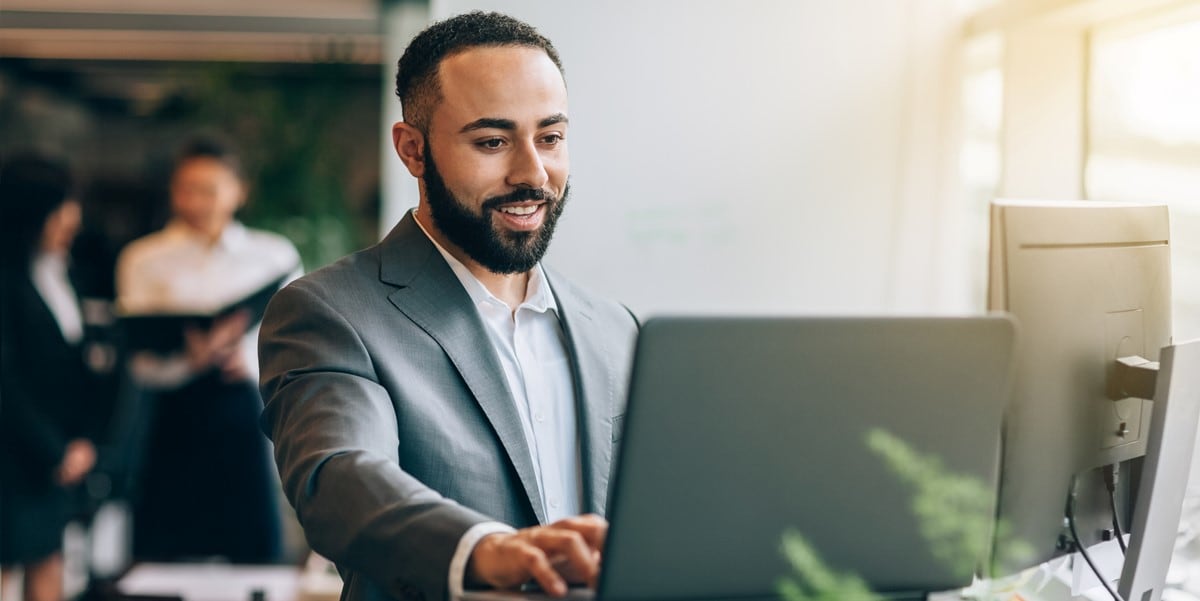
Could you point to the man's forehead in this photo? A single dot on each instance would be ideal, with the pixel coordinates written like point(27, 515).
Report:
point(500, 57)
point(517, 83)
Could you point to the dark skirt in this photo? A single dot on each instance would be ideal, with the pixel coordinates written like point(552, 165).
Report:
point(207, 484)
point(33, 513)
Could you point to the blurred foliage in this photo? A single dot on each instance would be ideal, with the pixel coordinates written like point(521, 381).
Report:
point(814, 580)
point(954, 513)
point(288, 131)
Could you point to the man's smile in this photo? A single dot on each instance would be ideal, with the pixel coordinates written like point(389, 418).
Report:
point(522, 216)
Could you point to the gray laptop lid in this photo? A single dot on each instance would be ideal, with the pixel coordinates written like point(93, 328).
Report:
point(856, 433)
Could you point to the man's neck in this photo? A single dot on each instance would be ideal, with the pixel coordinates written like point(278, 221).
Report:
point(508, 287)
point(210, 233)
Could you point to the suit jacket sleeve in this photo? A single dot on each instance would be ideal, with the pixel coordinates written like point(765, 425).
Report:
point(24, 427)
point(336, 447)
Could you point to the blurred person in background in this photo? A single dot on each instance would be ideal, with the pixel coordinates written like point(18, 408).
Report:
point(46, 425)
point(206, 485)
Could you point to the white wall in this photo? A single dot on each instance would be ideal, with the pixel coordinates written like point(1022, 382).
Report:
point(771, 156)
point(399, 22)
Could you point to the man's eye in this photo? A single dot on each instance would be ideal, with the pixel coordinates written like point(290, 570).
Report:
point(552, 139)
point(491, 143)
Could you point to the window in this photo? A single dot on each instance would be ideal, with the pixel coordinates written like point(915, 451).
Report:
point(979, 161)
point(1144, 136)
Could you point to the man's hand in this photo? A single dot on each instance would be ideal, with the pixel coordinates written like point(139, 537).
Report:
point(567, 551)
point(77, 461)
point(214, 347)
point(235, 369)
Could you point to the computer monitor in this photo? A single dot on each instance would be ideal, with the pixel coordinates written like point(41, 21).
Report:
point(1161, 492)
point(1089, 282)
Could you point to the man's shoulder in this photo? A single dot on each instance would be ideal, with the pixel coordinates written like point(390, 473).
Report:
point(148, 246)
point(346, 276)
point(607, 309)
point(268, 244)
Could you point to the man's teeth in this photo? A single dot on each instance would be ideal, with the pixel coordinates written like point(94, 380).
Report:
point(525, 210)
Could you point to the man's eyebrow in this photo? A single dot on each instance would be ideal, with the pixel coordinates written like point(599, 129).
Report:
point(489, 123)
point(552, 119)
point(509, 124)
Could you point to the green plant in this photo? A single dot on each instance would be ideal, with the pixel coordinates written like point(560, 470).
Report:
point(289, 129)
point(953, 513)
point(814, 580)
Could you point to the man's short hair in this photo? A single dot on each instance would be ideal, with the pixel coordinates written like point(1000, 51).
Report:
point(209, 146)
point(417, 71)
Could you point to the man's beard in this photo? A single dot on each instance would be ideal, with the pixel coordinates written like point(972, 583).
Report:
point(497, 250)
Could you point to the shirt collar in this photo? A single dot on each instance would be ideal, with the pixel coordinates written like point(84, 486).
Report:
point(538, 296)
point(232, 237)
point(50, 262)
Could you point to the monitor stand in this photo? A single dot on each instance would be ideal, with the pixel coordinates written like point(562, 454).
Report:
point(1160, 495)
point(1169, 450)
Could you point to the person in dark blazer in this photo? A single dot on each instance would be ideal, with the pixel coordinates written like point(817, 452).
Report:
point(45, 419)
point(444, 408)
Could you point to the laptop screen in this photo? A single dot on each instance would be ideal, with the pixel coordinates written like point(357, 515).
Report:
point(873, 443)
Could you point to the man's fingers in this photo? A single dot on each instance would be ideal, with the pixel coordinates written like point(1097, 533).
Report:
point(569, 553)
point(538, 566)
point(571, 556)
point(232, 327)
point(593, 528)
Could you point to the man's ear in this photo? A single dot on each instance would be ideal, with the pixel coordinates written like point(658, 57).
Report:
point(410, 147)
point(243, 193)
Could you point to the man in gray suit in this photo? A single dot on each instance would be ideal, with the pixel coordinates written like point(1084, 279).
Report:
point(443, 408)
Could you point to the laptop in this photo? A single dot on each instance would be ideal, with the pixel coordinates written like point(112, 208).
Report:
point(848, 432)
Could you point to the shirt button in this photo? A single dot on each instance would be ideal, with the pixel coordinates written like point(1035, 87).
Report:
point(554, 503)
point(539, 417)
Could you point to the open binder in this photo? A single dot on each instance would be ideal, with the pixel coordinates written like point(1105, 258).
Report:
point(163, 333)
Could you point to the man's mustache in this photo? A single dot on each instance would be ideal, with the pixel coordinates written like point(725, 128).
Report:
point(519, 195)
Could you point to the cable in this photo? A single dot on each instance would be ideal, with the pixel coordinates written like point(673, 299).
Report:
point(1088, 559)
point(1112, 503)
point(1082, 550)
point(1111, 476)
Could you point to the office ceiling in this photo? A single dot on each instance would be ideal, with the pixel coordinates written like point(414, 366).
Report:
point(192, 30)
point(362, 9)
point(130, 56)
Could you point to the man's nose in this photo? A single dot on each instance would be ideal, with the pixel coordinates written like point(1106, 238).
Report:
point(527, 169)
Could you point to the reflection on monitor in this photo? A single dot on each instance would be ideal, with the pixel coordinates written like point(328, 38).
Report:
point(1089, 282)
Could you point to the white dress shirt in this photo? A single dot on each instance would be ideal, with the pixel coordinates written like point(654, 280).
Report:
point(532, 348)
point(49, 273)
point(177, 270)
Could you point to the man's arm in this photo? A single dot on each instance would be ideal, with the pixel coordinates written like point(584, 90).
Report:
point(336, 444)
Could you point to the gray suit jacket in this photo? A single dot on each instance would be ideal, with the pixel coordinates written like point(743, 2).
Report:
point(393, 424)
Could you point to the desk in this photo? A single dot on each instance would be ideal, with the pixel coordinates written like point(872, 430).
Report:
point(212, 582)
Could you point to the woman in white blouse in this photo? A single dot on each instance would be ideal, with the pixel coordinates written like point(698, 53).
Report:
point(46, 416)
point(207, 486)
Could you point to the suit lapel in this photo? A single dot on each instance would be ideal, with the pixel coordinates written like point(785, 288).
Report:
point(432, 297)
point(594, 389)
